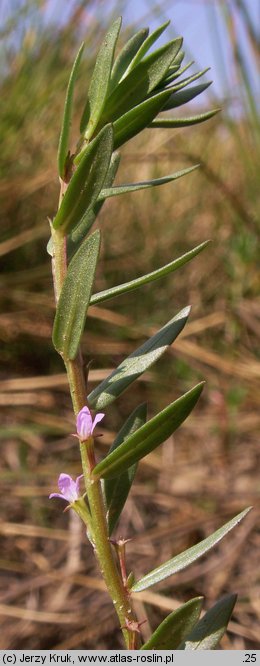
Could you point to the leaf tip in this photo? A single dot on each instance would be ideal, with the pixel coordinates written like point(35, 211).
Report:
point(184, 313)
point(246, 511)
point(117, 22)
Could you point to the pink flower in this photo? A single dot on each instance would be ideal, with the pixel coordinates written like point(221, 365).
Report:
point(85, 423)
point(69, 489)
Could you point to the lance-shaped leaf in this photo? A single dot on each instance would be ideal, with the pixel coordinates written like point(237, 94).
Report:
point(135, 187)
point(175, 627)
point(65, 128)
point(134, 121)
point(86, 182)
point(184, 96)
point(159, 273)
point(183, 84)
point(147, 438)
point(80, 231)
point(175, 72)
point(177, 61)
point(183, 122)
point(126, 56)
point(138, 362)
point(188, 556)
point(74, 298)
point(210, 629)
point(116, 490)
point(99, 84)
point(189, 79)
point(149, 41)
point(140, 82)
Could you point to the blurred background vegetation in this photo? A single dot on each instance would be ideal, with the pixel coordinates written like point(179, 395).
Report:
point(51, 594)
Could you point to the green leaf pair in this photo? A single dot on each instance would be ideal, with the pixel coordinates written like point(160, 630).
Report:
point(181, 630)
point(172, 631)
point(86, 183)
point(210, 629)
point(80, 231)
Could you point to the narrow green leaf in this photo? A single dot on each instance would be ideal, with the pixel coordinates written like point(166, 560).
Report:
point(175, 72)
point(210, 629)
point(184, 96)
point(140, 82)
point(150, 277)
point(188, 556)
point(175, 627)
point(74, 299)
point(135, 187)
point(65, 128)
point(80, 231)
point(138, 362)
point(189, 79)
point(99, 85)
point(150, 40)
point(134, 121)
point(184, 122)
point(177, 60)
point(182, 84)
point(125, 56)
point(147, 438)
point(87, 181)
point(117, 490)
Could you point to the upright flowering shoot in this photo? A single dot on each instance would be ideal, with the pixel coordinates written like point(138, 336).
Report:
point(127, 91)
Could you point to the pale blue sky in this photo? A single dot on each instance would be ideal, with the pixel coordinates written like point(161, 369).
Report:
point(206, 39)
point(200, 22)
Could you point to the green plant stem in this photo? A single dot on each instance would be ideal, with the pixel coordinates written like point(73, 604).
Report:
point(98, 527)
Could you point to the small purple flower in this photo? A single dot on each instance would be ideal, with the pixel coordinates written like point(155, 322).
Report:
point(69, 489)
point(85, 423)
